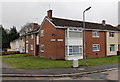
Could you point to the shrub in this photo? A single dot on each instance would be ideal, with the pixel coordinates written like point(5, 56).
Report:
point(10, 52)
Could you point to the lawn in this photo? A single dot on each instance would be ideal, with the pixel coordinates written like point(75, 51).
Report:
point(24, 61)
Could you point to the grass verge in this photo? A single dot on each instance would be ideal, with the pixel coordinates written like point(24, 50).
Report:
point(24, 61)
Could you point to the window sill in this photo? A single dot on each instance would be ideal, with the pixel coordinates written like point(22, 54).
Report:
point(95, 36)
point(42, 51)
point(111, 37)
point(96, 50)
point(74, 55)
point(112, 51)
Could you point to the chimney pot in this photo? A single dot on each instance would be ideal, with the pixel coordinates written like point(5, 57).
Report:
point(103, 22)
point(118, 26)
point(49, 13)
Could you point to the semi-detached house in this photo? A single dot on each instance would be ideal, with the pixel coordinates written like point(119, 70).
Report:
point(63, 38)
point(32, 41)
point(59, 38)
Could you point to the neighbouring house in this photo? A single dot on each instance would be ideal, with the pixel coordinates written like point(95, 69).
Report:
point(25, 43)
point(59, 38)
point(112, 42)
point(18, 45)
point(32, 41)
point(63, 38)
point(119, 38)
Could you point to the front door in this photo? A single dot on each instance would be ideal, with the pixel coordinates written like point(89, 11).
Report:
point(37, 50)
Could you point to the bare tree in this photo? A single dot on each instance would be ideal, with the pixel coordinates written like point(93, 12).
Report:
point(26, 28)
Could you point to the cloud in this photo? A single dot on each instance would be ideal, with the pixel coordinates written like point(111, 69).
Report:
point(19, 13)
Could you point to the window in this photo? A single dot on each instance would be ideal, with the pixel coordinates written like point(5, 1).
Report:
point(112, 47)
point(26, 48)
point(42, 33)
point(31, 36)
point(42, 47)
point(31, 47)
point(26, 37)
point(111, 34)
point(73, 34)
point(70, 29)
point(37, 39)
point(95, 33)
point(96, 47)
point(75, 50)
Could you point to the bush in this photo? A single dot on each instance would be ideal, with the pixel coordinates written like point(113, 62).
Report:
point(10, 52)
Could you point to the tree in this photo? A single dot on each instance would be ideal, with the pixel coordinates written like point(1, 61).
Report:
point(5, 38)
point(13, 34)
point(26, 28)
point(8, 37)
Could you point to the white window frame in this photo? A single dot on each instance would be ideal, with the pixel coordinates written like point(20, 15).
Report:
point(111, 34)
point(110, 47)
point(42, 33)
point(95, 34)
point(26, 36)
point(80, 52)
point(27, 39)
point(42, 48)
point(31, 47)
point(32, 36)
point(74, 29)
point(27, 48)
point(37, 39)
point(98, 47)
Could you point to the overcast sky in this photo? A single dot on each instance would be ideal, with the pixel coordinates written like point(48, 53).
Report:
point(19, 13)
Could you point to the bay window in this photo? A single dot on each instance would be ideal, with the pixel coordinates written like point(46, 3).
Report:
point(75, 50)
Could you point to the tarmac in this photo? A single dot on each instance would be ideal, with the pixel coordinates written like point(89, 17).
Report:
point(8, 71)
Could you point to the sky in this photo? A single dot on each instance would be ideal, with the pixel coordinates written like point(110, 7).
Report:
point(18, 13)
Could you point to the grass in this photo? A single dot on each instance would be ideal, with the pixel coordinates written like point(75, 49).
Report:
point(24, 61)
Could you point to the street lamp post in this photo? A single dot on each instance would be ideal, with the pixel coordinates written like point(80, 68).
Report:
point(84, 43)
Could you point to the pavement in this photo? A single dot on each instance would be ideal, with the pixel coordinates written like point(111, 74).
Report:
point(55, 72)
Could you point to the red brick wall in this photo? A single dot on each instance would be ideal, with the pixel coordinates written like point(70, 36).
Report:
point(90, 41)
point(53, 49)
point(30, 42)
point(61, 44)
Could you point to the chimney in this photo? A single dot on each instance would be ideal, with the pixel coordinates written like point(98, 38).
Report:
point(49, 13)
point(35, 25)
point(118, 26)
point(103, 22)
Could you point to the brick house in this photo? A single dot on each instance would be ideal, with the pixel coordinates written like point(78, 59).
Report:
point(63, 38)
point(32, 41)
point(119, 38)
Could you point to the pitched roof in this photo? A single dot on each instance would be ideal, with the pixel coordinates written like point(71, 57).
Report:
point(75, 23)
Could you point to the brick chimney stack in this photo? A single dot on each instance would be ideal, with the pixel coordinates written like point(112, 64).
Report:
point(49, 13)
point(118, 26)
point(103, 22)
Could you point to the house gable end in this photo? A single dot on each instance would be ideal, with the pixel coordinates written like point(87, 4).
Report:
point(46, 19)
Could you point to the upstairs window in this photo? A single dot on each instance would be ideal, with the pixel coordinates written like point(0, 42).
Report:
point(27, 37)
point(111, 34)
point(31, 36)
point(37, 40)
point(95, 33)
point(96, 47)
point(31, 47)
point(73, 34)
point(42, 33)
point(42, 48)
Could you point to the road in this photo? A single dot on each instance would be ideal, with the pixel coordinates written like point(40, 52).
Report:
point(107, 75)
